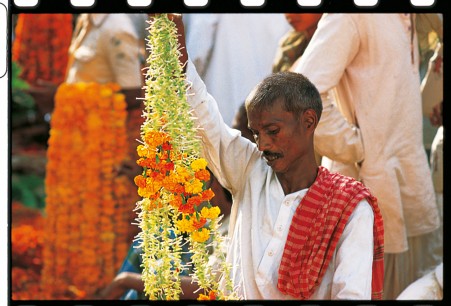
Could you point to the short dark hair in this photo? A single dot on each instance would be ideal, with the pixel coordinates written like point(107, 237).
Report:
point(296, 90)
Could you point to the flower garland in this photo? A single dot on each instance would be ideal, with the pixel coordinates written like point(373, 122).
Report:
point(85, 240)
point(175, 199)
point(41, 46)
point(26, 251)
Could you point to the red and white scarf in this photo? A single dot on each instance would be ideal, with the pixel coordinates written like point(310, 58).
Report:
point(316, 227)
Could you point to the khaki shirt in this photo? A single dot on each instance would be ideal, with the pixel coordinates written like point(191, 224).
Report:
point(106, 48)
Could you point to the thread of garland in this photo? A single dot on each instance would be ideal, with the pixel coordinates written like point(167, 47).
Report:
point(84, 240)
point(173, 183)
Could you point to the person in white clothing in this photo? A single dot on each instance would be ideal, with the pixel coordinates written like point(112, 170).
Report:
point(232, 52)
point(276, 183)
point(427, 287)
point(366, 67)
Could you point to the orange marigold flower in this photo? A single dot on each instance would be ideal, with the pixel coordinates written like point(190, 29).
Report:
point(200, 223)
point(140, 181)
point(203, 297)
point(194, 201)
point(176, 201)
point(168, 166)
point(166, 146)
point(171, 184)
point(187, 208)
point(207, 195)
point(203, 175)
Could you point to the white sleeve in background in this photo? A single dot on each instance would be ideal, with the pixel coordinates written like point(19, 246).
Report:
point(335, 137)
point(331, 49)
point(228, 154)
point(200, 32)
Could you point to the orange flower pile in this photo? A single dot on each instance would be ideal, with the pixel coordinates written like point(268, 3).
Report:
point(88, 206)
point(41, 46)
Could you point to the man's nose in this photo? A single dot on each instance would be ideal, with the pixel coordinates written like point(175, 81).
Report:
point(263, 143)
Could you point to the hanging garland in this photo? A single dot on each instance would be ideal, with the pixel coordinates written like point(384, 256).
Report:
point(173, 183)
point(87, 203)
point(41, 46)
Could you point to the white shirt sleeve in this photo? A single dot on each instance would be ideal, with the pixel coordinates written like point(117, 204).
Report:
point(228, 154)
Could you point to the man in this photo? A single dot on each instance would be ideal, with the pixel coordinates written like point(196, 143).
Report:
point(369, 64)
point(276, 182)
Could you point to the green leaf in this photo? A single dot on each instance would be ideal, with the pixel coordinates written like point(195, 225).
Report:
point(28, 189)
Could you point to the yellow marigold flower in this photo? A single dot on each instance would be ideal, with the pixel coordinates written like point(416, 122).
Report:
point(155, 139)
point(119, 101)
point(106, 92)
point(201, 236)
point(210, 213)
point(143, 192)
point(170, 182)
point(199, 164)
point(194, 187)
point(203, 297)
point(183, 174)
point(185, 225)
point(142, 151)
point(153, 185)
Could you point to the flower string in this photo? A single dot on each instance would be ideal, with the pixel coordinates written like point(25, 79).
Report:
point(41, 46)
point(173, 184)
point(85, 239)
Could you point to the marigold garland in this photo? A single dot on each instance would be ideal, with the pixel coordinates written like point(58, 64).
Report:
point(27, 238)
point(87, 229)
point(41, 46)
point(175, 200)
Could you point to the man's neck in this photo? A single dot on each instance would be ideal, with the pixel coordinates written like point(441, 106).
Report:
point(298, 179)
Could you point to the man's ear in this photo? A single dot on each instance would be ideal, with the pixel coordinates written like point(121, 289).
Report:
point(309, 119)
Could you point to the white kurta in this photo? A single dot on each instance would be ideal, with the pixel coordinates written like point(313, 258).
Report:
point(371, 63)
point(261, 214)
point(233, 52)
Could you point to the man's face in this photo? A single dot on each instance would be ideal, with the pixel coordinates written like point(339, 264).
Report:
point(280, 136)
point(303, 21)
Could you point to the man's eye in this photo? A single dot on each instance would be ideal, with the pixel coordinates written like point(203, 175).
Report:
point(273, 132)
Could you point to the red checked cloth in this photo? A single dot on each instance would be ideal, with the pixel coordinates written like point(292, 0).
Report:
point(317, 225)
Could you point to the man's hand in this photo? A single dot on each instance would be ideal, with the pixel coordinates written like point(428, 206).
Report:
point(120, 284)
point(177, 19)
